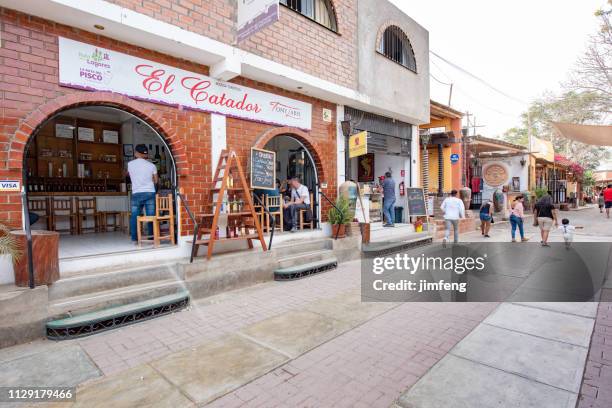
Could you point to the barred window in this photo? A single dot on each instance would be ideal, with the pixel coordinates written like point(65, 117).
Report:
point(318, 10)
point(396, 46)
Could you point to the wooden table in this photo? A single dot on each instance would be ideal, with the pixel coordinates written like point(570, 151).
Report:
point(45, 252)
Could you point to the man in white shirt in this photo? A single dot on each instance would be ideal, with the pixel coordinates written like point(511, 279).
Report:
point(143, 176)
point(300, 200)
point(454, 210)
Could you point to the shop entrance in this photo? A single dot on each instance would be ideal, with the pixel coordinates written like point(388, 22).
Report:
point(75, 176)
point(294, 160)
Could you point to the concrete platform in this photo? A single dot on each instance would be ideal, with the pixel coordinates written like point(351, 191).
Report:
point(215, 368)
point(459, 383)
point(550, 325)
point(550, 362)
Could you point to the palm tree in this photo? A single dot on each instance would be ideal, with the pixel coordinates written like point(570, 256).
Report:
point(8, 244)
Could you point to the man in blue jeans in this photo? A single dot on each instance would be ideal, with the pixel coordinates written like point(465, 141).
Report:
point(143, 175)
point(389, 200)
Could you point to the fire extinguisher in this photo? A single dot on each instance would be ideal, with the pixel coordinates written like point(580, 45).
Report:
point(402, 190)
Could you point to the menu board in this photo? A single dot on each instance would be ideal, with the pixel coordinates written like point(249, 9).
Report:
point(416, 201)
point(64, 131)
point(263, 169)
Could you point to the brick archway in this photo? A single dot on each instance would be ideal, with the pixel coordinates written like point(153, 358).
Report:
point(28, 128)
point(299, 135)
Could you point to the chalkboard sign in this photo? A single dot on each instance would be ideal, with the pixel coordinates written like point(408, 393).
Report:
point(263, 169)
point(416, 201)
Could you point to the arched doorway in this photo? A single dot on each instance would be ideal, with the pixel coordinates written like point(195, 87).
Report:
point(294, 159)
point(78, 158)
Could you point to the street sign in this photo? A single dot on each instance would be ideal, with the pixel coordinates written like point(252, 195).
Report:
point(454, 158)
point(358, 144)
point(10, 185)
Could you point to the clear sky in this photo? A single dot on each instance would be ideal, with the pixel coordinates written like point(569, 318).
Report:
point(522, 47)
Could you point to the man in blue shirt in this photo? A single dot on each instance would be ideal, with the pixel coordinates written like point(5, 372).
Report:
point(389, 200)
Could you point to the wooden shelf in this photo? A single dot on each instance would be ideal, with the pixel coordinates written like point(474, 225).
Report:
point(231, 214)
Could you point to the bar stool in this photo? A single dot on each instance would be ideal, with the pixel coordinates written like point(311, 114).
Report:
point(164, 212)
point(303, 213)
point(63, 209)
point(86, 208)
point(41, 207)
point(274, 202)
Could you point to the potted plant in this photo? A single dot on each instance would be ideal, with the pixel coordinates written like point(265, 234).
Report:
point(9, 253)
point(339, 216)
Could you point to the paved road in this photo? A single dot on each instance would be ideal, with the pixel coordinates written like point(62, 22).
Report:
point(313, 343)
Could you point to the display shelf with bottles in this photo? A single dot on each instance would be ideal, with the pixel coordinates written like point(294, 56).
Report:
point(75, 155)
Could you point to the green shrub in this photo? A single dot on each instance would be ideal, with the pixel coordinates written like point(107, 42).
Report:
point(336, 217)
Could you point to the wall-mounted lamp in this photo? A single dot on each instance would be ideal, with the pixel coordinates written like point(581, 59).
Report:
point(523, 162)
point(346, 127)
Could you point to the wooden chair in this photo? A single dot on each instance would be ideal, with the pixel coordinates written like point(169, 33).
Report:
point(63, 209)
point(303, 214)
point(164, 212)
point(274, 201)
point(42, 208)
point(87, 208)
point(115, 225)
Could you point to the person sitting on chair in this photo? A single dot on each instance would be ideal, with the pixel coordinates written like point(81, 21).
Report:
point(300, 200)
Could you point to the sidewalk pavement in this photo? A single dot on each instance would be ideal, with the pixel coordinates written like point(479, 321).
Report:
point(305, 343)
point(522, 355)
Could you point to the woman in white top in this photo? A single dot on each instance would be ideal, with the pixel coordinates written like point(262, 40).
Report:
point(517, 216)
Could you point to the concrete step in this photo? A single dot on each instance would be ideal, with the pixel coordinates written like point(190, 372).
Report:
point(116, 297)
point(306, 269)
point(305, 257)
point(296, 246)
point(110, 318)
point(81, 284)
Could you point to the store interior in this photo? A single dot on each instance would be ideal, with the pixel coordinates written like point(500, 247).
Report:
point(75, 178)
point(293, 159)
point(386, 154)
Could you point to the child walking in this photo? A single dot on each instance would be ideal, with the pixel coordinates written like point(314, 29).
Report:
point(568, 232)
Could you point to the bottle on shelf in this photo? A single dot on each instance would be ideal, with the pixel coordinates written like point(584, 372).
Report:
point(157, 159)
point(162, 161)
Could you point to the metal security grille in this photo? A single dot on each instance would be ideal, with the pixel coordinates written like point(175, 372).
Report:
point(396, 46)
point(317, 10)
point(377, 124)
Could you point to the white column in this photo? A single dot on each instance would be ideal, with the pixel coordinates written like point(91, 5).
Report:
point(340, 146)
point(218, 137)
point(415, 172)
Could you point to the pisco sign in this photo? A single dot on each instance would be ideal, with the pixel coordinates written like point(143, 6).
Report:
point(86, 66)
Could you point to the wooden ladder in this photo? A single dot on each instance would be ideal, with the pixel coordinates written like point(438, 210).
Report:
point(228, 162)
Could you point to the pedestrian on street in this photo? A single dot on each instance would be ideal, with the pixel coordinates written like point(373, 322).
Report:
point(389, 200)
point(486, 217)
point(545, 215)
point(608, 199)
point(568, 232)
point(517, 217)
point(454, 210)
point(600, 201)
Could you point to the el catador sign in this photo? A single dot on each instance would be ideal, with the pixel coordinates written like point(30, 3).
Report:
point(86, 66)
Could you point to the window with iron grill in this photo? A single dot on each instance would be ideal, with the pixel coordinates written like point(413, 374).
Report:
point(318, 10)
point(396, 46)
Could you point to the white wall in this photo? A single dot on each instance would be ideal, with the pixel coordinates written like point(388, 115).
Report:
point(514, 169)
point(340, 146)
point(218, 139)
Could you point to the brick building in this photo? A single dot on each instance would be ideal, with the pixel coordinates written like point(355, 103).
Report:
point(308, 59)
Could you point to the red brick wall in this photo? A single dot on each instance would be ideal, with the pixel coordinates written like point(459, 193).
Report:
point(29, 94)
point(295, 40)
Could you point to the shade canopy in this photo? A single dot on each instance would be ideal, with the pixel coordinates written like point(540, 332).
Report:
point(588, 134)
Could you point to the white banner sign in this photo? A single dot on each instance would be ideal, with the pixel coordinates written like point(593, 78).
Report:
point(253, 15)
point(86, 66)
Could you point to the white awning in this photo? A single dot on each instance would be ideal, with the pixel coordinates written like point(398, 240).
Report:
point(589, 134)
